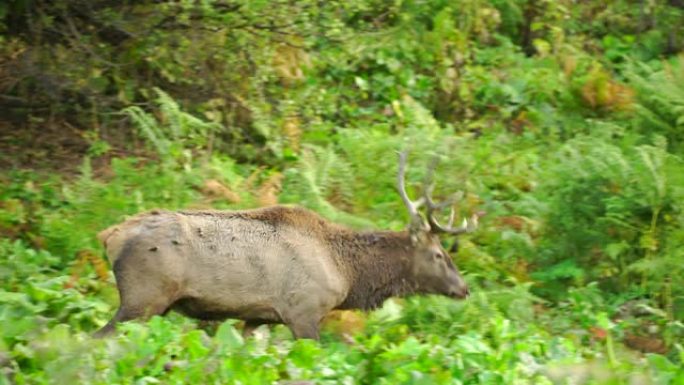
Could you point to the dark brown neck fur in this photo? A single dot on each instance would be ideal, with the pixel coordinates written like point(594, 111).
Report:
point(376, 265)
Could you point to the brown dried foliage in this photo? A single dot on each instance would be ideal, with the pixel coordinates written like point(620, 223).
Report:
point(83, 258)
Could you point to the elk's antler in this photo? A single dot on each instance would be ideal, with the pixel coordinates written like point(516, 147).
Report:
point(412, 206)
point(433, 207)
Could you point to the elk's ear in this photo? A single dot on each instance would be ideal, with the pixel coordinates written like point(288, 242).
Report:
point(454, 247)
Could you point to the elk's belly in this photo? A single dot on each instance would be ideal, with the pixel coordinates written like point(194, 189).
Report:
point(205, 310)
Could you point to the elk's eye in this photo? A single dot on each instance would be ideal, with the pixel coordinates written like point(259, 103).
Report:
point(437, 255)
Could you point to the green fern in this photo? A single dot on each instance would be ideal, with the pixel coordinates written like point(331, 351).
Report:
point(148, 129)
point(602, 196)
point(176, 134)
point(661, 99)
point(368, 157)
point(311, 182)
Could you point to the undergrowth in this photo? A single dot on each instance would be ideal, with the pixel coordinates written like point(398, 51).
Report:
point(561, 120)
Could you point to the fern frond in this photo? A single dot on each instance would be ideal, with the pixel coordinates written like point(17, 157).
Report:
point(149, 129)
point(171, 113)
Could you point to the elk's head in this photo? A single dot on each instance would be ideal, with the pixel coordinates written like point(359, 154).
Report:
point(432, 267)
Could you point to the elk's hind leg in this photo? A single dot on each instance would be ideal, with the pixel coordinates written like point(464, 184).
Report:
point(127, 312)
point(142, 292)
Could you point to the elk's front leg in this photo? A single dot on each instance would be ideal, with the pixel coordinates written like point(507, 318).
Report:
point(305, 329)
point(304, 316)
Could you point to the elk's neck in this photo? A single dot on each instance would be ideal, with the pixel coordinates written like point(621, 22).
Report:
point(376, 265)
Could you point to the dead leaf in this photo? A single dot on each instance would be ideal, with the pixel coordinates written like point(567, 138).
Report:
point(267, 195)
point(344, 323)
point(83, 258)
point(645, 344)
point(214, 189)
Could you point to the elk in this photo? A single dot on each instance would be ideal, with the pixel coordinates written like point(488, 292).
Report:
point(277, 264)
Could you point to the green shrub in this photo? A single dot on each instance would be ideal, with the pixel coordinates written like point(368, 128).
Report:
point(611, 213)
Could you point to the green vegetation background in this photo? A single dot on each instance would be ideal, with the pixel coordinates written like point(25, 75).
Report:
point(564, 120)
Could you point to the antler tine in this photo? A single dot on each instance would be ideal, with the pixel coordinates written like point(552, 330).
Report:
point(467, 226)
point(436, 227)
point(432, 207)
point(452, 215)
point(412, 206)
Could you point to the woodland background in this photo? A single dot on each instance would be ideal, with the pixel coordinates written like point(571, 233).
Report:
point(564, 120)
